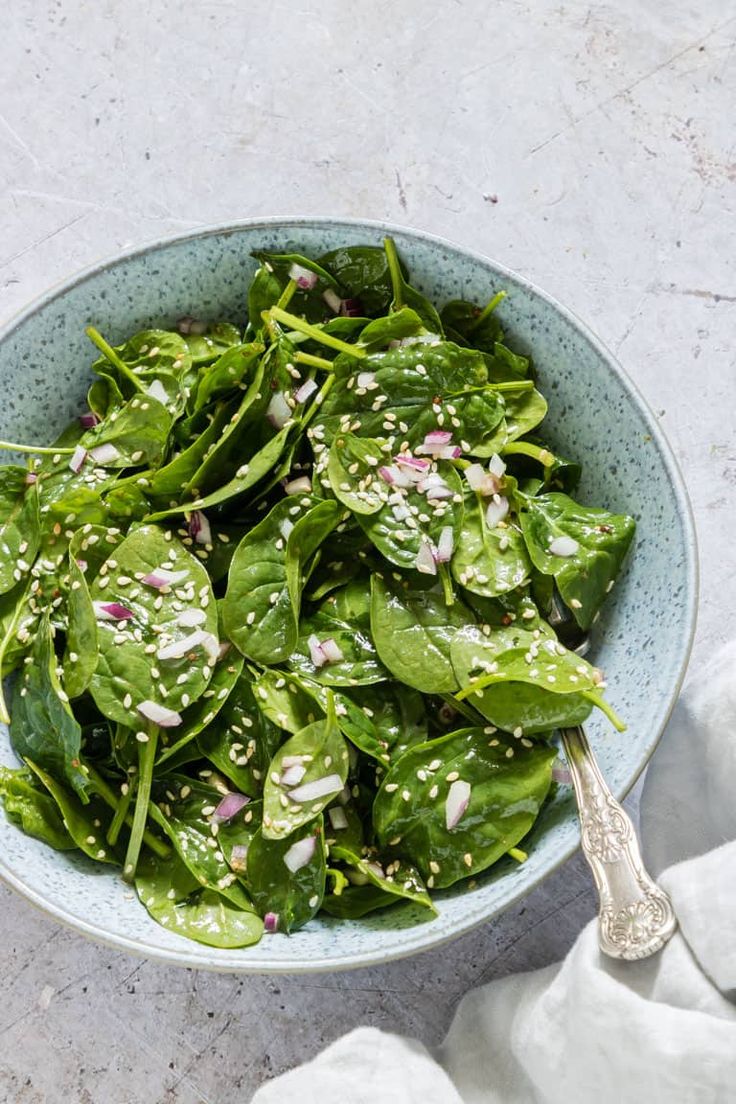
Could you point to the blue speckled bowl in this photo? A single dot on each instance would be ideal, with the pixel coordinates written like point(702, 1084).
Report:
point(596, 415)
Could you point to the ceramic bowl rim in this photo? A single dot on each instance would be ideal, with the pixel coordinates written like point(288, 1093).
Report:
point(198, 956)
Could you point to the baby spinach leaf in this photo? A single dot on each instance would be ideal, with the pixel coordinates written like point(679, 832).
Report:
point(404, 295)
point(42, 726)
point(413, 630)
point(407, 392)
point(202, 712)
point(20, 530)
point(217, 338)
point(184, 810)
point(321, 751)
point(545, 684)
point(343, 616)
point(131, 667)
point(601, 541)
point(32, 809)
point(80, 656)
point(355, 901)
point(289, 702)
point(171, 479)
point(488, 561)
point(261, 606)
point(382, 721)
point(227, 373)
point(507, 784)
point(84, 823)
point(523, 411)
point(243, 740)
point(395, 876)
point(362, 273)
point(295, 896)
point(138, 431)
point(256, 469)
point(167, 889)
point(394, 327)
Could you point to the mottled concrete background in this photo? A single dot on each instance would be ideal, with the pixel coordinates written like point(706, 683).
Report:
point(590, 147)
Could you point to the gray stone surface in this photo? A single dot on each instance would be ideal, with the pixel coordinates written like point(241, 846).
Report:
point(591, 147)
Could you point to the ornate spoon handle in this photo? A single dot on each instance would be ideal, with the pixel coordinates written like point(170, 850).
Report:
point(636, 917)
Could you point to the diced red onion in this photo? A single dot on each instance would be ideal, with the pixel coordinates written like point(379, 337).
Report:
point(434, 442)
point(158, 391)
point(481, 481)
point(184, 325)
point(458, 799)
point(400, 512)
point(311, 791)
point(331, 651)
point(111, 611)
point(425, 561)
point(496, 466)
point(278, 411)
point(449, 452)
point(271, 922)
point(561, 773)
point(78, 457)
point(434, 486)
point(31, 478)
point(104, 454)
point(301, 485)
point(230, 806)
point(82, 565)
point(199, 527)
point(307, 388)
point(563, 546)
point(162, 577)
point(292, 761)
point(286, 527)
point(496, 511)
point(318, 657)
point(394, 476)
point(293, 775)
point(88, 420)
point(351, 308)
point(303, 277)
point(190, 618)
point(238, 857)
point(223, 649)
point(338, 820)
point(325, 651)
point(159, 714)
point(366, 379)
point(376, 869)
point(300, 853)
point(199, 638)
point(333, 300)
point(414, 463)
point(445, 545)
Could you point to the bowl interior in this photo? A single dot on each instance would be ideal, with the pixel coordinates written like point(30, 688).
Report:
point(642, 639)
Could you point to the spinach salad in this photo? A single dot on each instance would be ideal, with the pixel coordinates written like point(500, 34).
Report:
point(278, 605)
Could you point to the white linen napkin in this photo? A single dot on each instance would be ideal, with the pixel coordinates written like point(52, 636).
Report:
point(590, 1029)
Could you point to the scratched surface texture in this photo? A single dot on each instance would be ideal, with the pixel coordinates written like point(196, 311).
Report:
point(591, 147)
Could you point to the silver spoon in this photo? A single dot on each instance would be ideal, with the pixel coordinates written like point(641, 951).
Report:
point(635, 916)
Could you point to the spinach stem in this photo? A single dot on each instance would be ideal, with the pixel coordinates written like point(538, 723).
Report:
point(319, 398)
point(314, 361)
point(446, 579)
point(146, 756)
point(536, 452)
point(107, 351)
point(121, 814)
point(487, 310)
point(110, 798)
point(518, 854)
point(286, 295)
point(11, 447)
point(605, 707)
point(513, 385)
point(394, 268)
point(315, 332)
point(466, 710)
